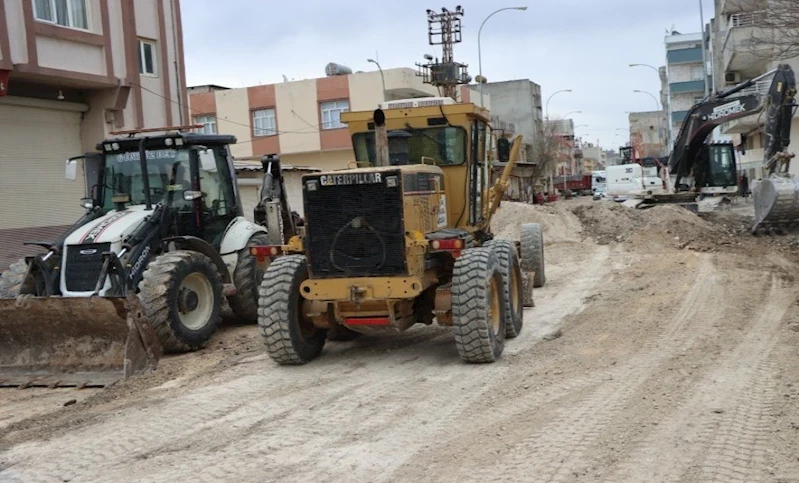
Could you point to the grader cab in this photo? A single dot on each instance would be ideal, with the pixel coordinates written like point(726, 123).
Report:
point(403, 238)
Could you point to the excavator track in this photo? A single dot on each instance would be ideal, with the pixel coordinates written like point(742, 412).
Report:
point(776, 200)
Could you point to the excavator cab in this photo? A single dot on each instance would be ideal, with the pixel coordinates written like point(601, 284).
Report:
point(716, 171)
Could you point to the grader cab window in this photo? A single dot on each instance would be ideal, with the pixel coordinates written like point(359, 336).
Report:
point(446, 146)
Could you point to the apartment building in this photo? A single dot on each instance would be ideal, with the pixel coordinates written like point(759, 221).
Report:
point(685, 73)
point(593, 157)
point(300, 120)
point(562, 133)
point(518, 102)
point(648, 132)
point(71, 71)
point(738, 56)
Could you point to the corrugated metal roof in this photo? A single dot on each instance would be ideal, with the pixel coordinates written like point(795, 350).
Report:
point(12, 247)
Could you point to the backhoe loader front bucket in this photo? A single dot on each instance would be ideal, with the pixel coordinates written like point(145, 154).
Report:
point(776, 200)
point(64, 341)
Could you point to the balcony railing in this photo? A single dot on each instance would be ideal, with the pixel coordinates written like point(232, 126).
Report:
point(761, 87)
point(747, 19)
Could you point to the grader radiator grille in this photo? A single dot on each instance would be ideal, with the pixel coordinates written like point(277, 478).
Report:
point(355, 226)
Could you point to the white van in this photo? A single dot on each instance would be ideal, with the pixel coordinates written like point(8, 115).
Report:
point(624, 181)
point(632, 181)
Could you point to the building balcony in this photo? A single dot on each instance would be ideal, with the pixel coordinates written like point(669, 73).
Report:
point(741, 52)
point(684, 87)
point(728, 7)
point(678, 116)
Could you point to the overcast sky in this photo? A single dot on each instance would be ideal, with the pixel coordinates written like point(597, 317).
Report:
point(583, 45)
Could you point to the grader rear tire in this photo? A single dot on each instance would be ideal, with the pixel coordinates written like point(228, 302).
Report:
point(478, 306)
point(247, 278)
point(512, 285)
point(290, 338)
point(532, 248)
point(181, 292)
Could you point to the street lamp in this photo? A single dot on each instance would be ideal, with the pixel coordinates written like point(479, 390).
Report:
point(479, 52)
point(570, 113)
point(657, 104)
point(660, 125)
point(647, 65)
point(546, 106)
point(382, 78)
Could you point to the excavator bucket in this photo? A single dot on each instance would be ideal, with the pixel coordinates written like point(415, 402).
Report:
point(83, 342)
point(776, 200)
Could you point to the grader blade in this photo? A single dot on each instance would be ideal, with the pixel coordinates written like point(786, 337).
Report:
point(776, 200)
point(83, 342)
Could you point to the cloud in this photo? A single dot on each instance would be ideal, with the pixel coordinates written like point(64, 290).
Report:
point(584, 45)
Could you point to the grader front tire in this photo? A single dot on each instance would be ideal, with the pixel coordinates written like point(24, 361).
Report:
point(532, 248)
point(478, 306)
point(512, 285)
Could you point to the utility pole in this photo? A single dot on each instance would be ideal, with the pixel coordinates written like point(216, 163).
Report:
point(444, 29)
point(704, 50)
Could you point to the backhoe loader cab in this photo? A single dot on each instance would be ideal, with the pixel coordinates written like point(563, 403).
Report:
point(403, 238)
point(162, 241)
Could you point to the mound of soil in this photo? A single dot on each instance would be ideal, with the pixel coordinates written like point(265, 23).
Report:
point(559, 223)
point(611, 222)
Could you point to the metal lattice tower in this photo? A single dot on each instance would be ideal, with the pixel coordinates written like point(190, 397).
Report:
point(444, 29)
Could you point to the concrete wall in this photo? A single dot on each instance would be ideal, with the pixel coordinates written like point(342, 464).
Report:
point(517, 102)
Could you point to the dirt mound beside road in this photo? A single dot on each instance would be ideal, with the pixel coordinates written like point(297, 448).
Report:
point(609, 222)
point(558, 221)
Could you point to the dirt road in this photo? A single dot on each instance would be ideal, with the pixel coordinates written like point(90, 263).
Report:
point(663, 348)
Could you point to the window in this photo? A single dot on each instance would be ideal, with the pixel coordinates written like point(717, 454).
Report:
point(444, 145)
point(209, 124)
point(67, 13)
point(331, 114)
point(698, 99)
point(263, 122)
point(147, 57)
point(697, 73)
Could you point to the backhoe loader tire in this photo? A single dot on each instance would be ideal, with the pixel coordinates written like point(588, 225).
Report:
point(290, 338)
point(532, 248)
point(11, 280)
point(247, 278)
point(182, 296)
point(478, 305)
point(513, 286)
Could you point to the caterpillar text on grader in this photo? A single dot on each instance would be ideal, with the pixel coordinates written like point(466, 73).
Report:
point(404, 238)
point(162, 241)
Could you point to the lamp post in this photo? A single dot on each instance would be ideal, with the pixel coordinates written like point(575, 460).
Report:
point(479, 51)
point(382, 77)
point(570, 113)
point(660, 125)
point(647, 65)
point(546, 106)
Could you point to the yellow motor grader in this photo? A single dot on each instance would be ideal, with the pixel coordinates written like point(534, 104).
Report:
point(403, 236)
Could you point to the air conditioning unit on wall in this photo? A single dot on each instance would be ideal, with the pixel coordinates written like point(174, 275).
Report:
point(732, 78)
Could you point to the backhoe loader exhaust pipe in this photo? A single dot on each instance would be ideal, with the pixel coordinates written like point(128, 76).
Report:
point(65, 341)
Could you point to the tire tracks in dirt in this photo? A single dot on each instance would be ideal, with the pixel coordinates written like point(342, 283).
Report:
point(351, 414)
point(556, 449)
point(720, 432)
